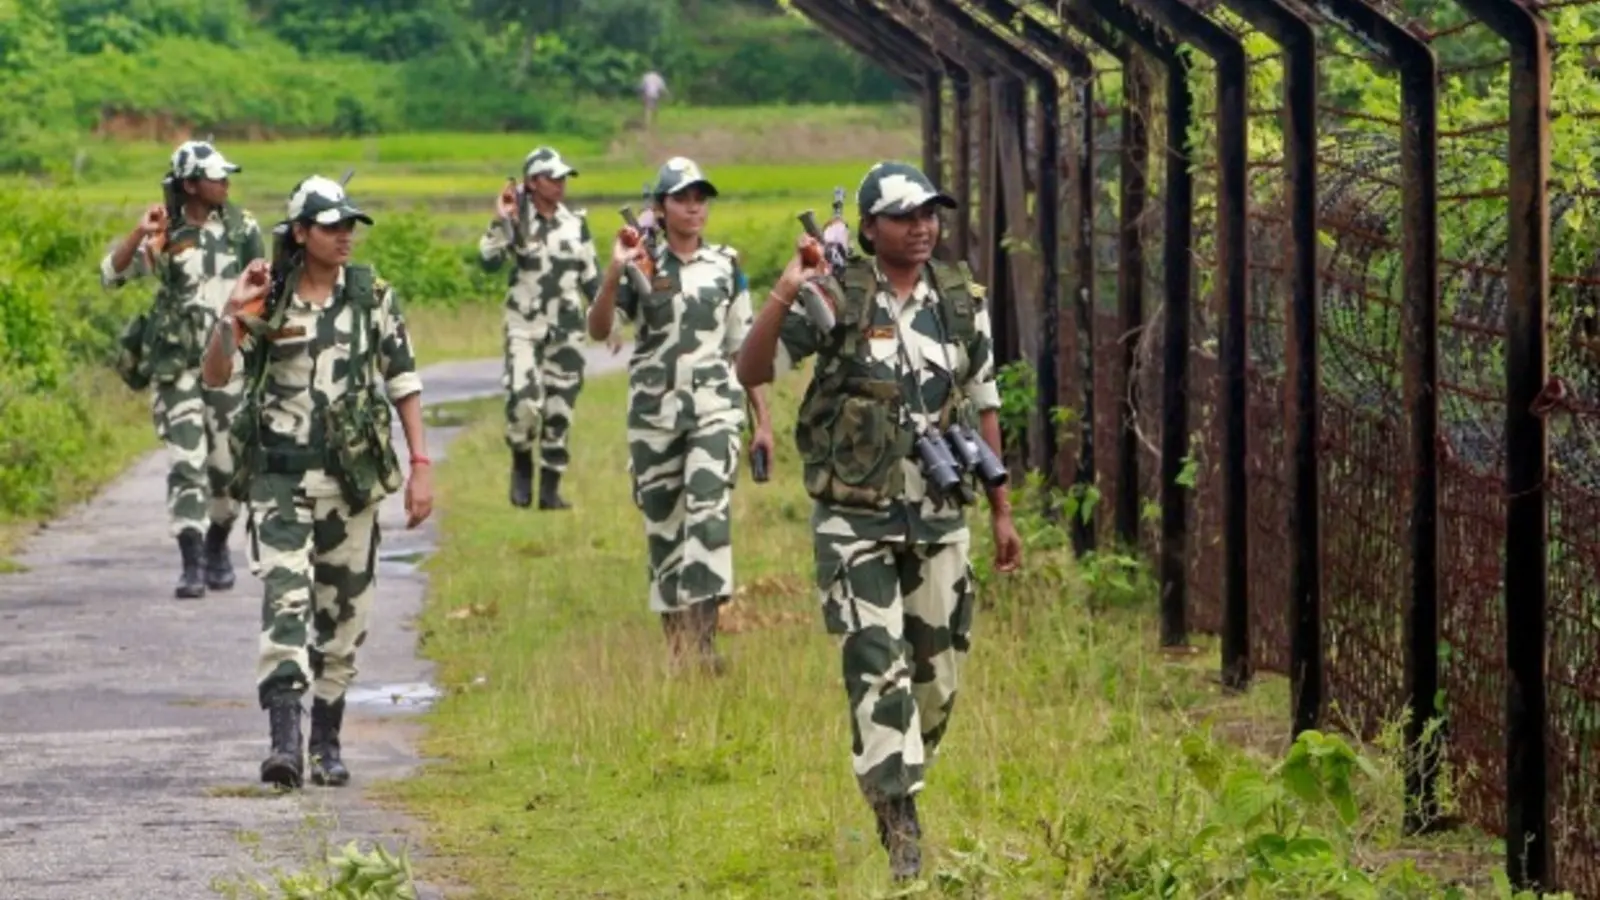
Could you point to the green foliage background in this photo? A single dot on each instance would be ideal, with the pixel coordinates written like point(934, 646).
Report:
point(240, 68)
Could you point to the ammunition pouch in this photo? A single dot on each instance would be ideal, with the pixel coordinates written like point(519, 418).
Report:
point(159, 344)
point(131, 362)
point(361, 454)
point(852, 442)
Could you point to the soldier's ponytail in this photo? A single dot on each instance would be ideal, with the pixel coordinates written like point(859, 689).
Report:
point(287, 253)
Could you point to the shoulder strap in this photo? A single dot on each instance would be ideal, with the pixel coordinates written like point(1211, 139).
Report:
point(233, 227)
point(859, 286)
point(360, 285)
point(953, 282)
point(361, 288)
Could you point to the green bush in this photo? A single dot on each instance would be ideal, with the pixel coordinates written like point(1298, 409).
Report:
point(405, 249)
point(266, 84)
point(749, 59)
point(57, 328)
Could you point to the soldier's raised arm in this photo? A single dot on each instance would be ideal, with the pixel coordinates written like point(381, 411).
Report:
point(780, 336)
point(126, 262)
point(614, 301)
point(498, 237)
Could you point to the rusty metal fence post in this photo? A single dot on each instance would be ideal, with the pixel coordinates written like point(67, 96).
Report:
point(1177, 244)
point(1055, 380)
point(1297, 38)
point(1233, 289)
point(1529, 860)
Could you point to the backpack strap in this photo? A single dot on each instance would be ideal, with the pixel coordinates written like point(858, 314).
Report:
point(956, 301)
point(362, 287)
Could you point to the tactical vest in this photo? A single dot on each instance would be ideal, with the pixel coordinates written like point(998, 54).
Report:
point(852, 430)
point(161, 342)
point(358, 451)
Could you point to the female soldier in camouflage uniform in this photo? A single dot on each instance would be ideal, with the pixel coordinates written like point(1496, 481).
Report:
point(554, 273)
point(685, 410)
point(323, 337)
point(195, 243)
point(909, 348)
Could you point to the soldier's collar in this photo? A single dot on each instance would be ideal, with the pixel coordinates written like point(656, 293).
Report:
point(922, 293)
point(701, 253)
point(560, 213)
point(294, 288)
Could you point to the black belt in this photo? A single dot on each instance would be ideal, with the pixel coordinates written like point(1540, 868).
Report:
point(290, 462)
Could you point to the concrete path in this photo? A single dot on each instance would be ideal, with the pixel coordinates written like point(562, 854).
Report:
point(130, 738)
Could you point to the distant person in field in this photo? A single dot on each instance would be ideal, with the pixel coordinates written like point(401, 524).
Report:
point(195, 243)
point(652, 87)
point(690, 307)
point(324, 348)
point(554, 276)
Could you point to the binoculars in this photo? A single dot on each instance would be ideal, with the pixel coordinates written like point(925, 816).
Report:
point(946, 460)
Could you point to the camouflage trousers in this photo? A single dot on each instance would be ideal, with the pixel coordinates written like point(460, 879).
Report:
point(904, 615)
point(682, 482)
point(543, 375)
point(192, 421)
point(317, 561)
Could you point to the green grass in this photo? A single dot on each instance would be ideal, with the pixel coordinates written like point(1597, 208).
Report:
point(378, 189)
point(567, 762)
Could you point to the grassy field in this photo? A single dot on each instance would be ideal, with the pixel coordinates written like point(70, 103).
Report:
point(568, 763)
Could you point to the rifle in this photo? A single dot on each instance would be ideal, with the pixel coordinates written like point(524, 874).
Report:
point(634, 234)
point(172, 202)
point(834, 243)
point(760, 465)
point(520, 205)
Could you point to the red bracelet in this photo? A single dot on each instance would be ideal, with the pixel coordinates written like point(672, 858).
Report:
point(420, 460)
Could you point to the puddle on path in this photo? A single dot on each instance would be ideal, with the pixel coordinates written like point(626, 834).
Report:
point(406, 556)
point(408, 695)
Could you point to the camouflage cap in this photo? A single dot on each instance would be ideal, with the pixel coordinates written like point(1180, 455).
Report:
point(895, 189)
point(681, 173)
point(547, 162)
point(198, 159)
point(322, 201)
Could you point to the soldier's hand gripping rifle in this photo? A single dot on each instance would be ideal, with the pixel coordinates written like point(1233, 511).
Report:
point(833, 250)
point(760, 464)
point(163, 216)
point(515, 197)
point(645, 235)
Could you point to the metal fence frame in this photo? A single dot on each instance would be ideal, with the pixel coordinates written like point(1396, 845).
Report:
point(989, 51)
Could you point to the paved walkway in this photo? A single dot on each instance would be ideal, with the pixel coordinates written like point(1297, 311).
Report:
point(130, 738)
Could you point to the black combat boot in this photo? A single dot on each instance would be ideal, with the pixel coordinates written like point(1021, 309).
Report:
point(326, 767)
point(219, 567)
point(549, 487)
point(704, 626)
point(521, 477)
point(901, 834)
point(190, 584)
point(285, 766)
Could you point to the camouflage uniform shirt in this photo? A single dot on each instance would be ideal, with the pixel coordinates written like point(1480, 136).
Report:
point(936, 367)
point(197, 266)
point(308, 368)
point(555, 262)
point(686, 334)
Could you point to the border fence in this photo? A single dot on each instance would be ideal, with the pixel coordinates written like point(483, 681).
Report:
point(1310, 280)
